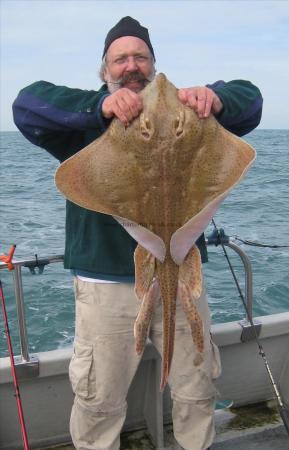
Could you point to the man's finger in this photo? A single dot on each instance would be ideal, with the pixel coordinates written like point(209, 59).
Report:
point(201, 101)
point(124, 104)
point(120, 113)
point(135, 97)
point(192, 99)
point(126, 107)
point(182, 94)
point(135, 103)
point(209, 102)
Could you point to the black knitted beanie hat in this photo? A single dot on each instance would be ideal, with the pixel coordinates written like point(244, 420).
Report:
point(127, 26)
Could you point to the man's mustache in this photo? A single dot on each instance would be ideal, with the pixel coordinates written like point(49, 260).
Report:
point(133, 76)
point(130, 77)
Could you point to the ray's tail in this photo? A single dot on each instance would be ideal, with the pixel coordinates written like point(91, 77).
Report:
point(152, 280)
point(170, 281)
point(167, 274)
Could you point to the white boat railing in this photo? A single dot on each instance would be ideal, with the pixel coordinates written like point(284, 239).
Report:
point(27, 365)
point(218, 237)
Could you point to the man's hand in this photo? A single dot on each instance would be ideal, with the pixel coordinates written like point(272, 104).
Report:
point(124, 104)
point(201, 99)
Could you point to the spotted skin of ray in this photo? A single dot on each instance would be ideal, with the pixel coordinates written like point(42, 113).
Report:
point(162, 178)
point(189, 291)
point(146, 290)
point(144, 317)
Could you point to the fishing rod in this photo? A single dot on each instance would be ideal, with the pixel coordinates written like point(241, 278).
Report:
point(283, 410)
point(13, 369)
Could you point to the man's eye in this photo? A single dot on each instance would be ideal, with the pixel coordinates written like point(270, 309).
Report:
point(120, 60)
point(141, 58)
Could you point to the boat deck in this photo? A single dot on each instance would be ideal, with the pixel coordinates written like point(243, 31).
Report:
point(251, 428)
point(275, 438)
point(267, 439)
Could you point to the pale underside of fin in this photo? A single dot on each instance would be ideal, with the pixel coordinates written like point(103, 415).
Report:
point(183, 238)
point(146, 238)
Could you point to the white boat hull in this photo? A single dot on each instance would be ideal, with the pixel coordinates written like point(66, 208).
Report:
point(47, 398)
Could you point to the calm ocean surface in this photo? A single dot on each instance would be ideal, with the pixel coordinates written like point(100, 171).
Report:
point(32, 216)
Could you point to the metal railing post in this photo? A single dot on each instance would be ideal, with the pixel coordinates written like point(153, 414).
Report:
point(27, 366)
point(248, 276)
point(21, 313)
point(250, 327)
point(218, 237)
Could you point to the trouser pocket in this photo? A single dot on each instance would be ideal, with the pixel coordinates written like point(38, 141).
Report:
point(80, 368)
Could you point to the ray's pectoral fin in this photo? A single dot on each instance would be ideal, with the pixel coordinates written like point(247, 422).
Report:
point(147, 290)
point(226, 159)
point(189, 291)
point(105, 177)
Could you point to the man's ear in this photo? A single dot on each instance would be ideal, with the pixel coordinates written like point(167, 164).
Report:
point(105, 75)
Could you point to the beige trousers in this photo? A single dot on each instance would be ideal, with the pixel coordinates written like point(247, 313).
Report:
point(105, 361)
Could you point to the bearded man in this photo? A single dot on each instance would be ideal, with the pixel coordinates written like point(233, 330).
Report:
point(100, 252)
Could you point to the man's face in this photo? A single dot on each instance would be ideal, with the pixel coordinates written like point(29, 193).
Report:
point(129, 64)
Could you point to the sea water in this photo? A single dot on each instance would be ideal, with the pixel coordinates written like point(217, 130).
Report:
point(33, 213)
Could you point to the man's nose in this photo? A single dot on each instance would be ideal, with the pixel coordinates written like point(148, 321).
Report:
point(131, 64)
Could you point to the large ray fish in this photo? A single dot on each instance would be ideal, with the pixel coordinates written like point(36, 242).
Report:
point(162, 178)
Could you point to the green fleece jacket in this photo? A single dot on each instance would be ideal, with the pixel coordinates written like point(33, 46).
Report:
point(63, 121)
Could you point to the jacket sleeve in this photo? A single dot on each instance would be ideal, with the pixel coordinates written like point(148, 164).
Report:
point(242, 103)
point(56, 117)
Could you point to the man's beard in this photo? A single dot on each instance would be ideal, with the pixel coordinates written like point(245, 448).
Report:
point(114, 85)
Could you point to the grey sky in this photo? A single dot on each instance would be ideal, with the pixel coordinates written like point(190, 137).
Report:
point(195, 42)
